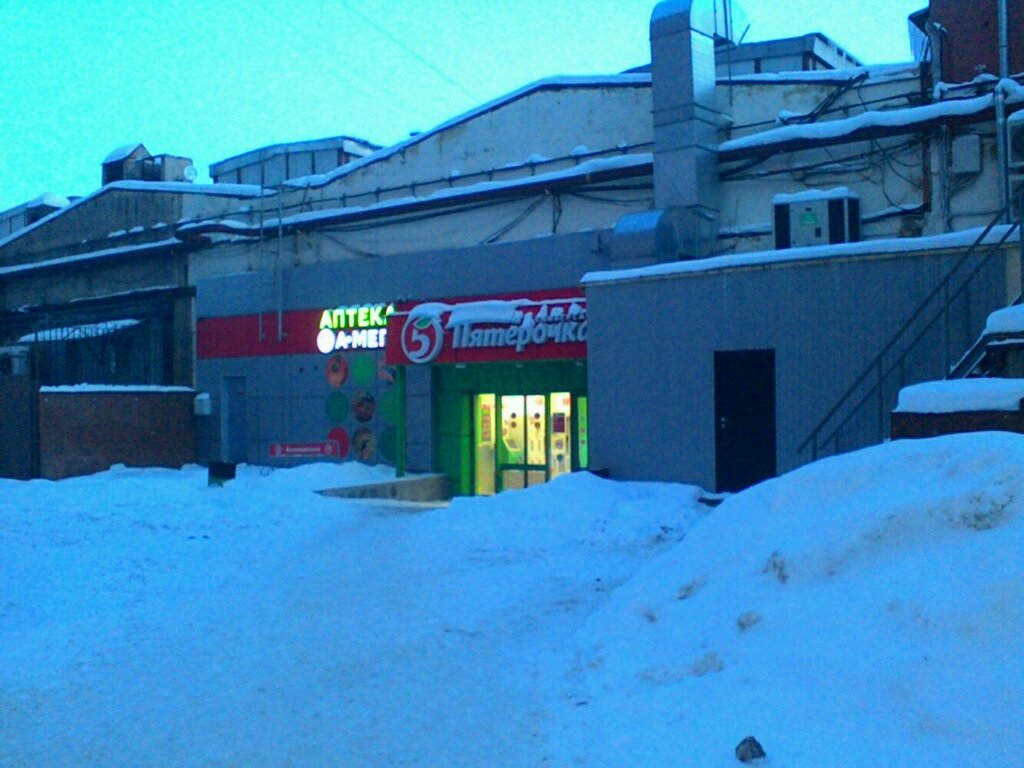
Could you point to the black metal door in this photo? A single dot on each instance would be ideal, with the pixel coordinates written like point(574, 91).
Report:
point(744, 418)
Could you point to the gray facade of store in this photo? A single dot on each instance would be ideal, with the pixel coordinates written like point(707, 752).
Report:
point(719, 377)
point(259, 400)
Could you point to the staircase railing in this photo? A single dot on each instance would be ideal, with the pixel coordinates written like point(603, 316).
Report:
point(870, 384)
point(974, 355)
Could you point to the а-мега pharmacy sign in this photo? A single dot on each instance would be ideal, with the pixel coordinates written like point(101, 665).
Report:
point(549, 325)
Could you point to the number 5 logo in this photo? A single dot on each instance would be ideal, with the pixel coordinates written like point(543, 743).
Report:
point(422, 339)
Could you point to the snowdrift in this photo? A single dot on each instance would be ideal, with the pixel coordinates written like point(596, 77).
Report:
point(866, 610)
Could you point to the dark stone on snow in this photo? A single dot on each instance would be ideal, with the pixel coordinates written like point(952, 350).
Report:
point(749, 750)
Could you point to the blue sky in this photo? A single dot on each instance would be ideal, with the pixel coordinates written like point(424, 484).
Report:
point(212, 79)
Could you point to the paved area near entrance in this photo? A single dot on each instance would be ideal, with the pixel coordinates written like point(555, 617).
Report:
point(148, 619)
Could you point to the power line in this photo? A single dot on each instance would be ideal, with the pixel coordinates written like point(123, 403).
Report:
point(410, 51)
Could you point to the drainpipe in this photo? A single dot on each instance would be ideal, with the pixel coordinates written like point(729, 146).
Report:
point(1001, 139)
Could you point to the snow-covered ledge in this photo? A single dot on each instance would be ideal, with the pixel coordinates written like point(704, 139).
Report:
point(126, 388)
point(1007, 320)
point(962, 395)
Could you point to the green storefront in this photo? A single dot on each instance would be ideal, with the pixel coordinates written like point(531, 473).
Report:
point(508, 386)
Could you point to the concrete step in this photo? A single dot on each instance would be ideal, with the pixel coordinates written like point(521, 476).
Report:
point(423, 488)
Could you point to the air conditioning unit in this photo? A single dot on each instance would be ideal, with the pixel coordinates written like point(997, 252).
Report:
point(14, 361)
point(1015, 141)
point(816, 217)
point(1017, 196)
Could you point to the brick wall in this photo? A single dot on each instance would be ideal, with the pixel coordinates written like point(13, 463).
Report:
point(972, 36)
point(85, 432)
point(933, 424)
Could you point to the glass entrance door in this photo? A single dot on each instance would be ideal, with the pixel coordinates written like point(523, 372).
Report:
point(524, 440)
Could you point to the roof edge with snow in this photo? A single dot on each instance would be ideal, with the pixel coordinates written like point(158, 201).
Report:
point(871, 124)
point(589, 172)
point(561, 82)
point(816, 253)
point(273, 150)
point(173, 187)
point(77, 258)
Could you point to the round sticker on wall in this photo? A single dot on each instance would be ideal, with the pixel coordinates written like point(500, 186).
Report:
point(364, 444)
point(336, 371)
point(364, 405)
point(337, 407)
point(388, 407)
point(388, 444)
point(364, 369)
point(340, 436)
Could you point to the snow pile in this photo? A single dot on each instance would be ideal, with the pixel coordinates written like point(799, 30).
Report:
point(866, 610)
point(959, 395)
point(317, 476)
point(1007, 320)
point(572, 510)
point(148, 619)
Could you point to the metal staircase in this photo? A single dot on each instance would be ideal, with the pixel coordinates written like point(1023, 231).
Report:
point(861, 415)
point(971, 364)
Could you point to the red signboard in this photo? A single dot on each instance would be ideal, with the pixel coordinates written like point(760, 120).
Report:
point(295, 332)
point(257, 335)
point(327, 448)
point(536, 325)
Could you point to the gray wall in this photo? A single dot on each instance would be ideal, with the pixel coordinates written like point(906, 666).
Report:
point(651, 351)
point(285, 397)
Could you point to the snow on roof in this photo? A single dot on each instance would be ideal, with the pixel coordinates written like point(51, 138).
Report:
point(76, 258)
point(875, 74)
point(565, 81)
point(601, 164)
point(184, 187)
point(1007, 320)
point(226, 190)
point(832, 129)
point(961, 239)
point(499, 311)
point(958, 395)
point(125, 388)
point(77, 332)
point(942, 89)
point(49, 199)
point(814, 194)
point(347, 143)
point(893, 118)
point(121, 153)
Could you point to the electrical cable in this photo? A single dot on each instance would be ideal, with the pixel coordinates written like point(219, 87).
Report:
point(450, 80)
point(735, 174)
point(502, 231)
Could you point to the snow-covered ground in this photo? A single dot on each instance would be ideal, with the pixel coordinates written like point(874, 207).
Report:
point(867, 610)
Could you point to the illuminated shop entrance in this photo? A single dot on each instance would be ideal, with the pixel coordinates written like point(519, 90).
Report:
point(525, 440)
point(501, 426)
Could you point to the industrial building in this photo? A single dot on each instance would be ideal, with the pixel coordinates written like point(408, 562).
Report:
point(679, 272)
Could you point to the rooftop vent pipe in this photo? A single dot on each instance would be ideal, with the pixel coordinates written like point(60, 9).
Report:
point(686, 123)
